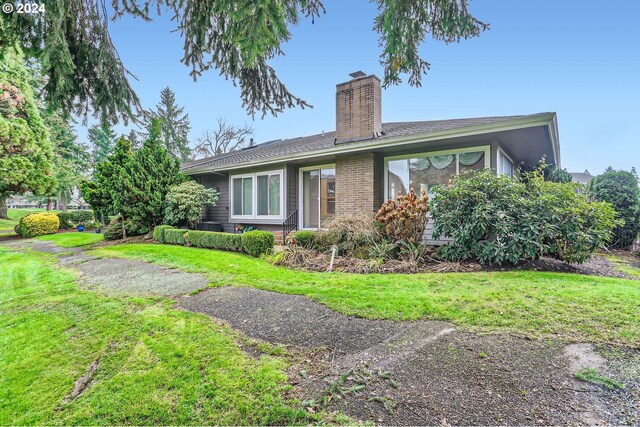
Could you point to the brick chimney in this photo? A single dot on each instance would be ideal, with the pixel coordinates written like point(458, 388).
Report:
point(358, 108)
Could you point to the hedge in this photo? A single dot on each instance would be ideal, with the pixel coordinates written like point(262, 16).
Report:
point(305, 238)
point(174, 236)
point(257, 242)
point(70, 219)
point(158, 232)
point(215, 240)
point(38, 224)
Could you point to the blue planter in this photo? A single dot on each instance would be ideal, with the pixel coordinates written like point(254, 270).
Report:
point(80, 228)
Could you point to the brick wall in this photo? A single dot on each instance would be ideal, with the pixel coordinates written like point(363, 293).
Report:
point(358, 183)
point(358, 109)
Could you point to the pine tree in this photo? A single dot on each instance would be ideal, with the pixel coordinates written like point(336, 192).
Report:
point(102, 140)
point(174, 125)
point(26, 154)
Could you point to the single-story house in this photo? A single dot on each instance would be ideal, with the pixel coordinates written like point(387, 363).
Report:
point(300, 183)
point(582, 177)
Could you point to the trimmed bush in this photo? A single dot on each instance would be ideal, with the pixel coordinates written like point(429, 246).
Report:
point(175, 236)
point(496, 219)
point(158, 232)
point(215, 240)
point(38, 224)
point(257, 242)
point(66, 220)
point(82, 216)
point(305, 238)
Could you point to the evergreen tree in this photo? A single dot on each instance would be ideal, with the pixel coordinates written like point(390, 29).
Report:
point(174, 125)
point(147, 180)
point(85, 72)
point(26, 154)
point(102, 140)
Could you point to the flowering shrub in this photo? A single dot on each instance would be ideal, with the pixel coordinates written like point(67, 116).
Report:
point(404, 218)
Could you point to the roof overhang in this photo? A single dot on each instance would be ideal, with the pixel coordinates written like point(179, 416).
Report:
point(545, 120)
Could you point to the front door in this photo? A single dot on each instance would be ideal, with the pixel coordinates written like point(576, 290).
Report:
point(318, 198)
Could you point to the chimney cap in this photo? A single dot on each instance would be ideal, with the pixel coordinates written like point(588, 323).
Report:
point(357, 74)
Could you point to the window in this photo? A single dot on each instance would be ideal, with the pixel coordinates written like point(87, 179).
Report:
point(257, 195)
point(423, 172)
point(505, 165)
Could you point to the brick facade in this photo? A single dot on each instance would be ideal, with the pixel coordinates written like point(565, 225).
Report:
point(358, 183)
point(358, 109)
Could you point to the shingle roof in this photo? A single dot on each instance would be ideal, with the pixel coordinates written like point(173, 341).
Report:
point(326, 141)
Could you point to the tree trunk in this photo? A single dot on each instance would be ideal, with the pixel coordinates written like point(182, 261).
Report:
point(124, 232)
point(63, 202)
point(49, 204)
point(4, 213)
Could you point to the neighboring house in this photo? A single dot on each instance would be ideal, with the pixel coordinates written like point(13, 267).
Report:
point(582, 177)
point(20, 202)
point(302, 182)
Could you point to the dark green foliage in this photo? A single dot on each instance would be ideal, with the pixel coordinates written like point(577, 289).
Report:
point(72, 219)
point(496, 219)
point(65, 220)
point(553, 174)
point(113, 232)
point(257, 242)
point(305, 238)
point(620, 188)
point(158, 232)
point(103, 141)
point(185, 202)
point(215, 240)
point(82, 216)
point(26, 153)
point(174, 125)
point(174, 236)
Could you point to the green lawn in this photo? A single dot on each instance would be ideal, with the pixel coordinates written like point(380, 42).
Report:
point(623, 265)
point(531, 303)
point(73, 239)
point(15, 215)
point(156, 365)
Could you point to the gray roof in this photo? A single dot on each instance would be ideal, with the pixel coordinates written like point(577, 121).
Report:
point(286, 148)
point(582, 177)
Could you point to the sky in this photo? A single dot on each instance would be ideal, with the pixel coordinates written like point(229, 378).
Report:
point(579, 58)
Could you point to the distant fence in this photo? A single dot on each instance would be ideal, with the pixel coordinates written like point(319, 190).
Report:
point(624, 239)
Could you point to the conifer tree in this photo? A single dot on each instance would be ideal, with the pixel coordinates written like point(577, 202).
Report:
point(26, 154)
point(174, 130)
point(102, 140)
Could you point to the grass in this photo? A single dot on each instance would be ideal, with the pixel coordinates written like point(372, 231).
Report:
point(532, 303)
point(155, 365)
point(73, 239)
point(623, 266)
point(591, 375)
point(14, 217)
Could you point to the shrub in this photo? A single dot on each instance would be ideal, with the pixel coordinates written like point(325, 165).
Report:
point(132, 228)
point(175, 236)
point(305, 238)
point(158, 232)
point(404, 218)
point(496, 219)
point(113, 231)
point(215, 240)
point(66, 220)
point(184, 203)
point(347, 233)
point(620, 188)
point(257, 242)
point(38, 224)
point(81, 216)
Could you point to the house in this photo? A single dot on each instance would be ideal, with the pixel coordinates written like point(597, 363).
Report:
point(300, 183)
point(582, 177)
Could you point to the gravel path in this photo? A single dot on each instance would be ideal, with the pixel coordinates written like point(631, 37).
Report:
point(398, 373)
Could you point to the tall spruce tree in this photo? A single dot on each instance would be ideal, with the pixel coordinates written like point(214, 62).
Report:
point(238, 38)
point(174, 131)
point(26, 154)
point(147, 179)
point(103, 141)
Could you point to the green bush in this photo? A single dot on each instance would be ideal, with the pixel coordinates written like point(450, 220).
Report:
point(38, 224)
point(113, 232)
point(174, 236)
point(66, 220)
point(184, 203)
point(496, 219)
point(305, 238)
point(215, 240)
point(158, 232)
point(620, 188)
point(79, 216)
point(257, 242)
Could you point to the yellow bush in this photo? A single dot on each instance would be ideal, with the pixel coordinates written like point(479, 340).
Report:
point(38, 224)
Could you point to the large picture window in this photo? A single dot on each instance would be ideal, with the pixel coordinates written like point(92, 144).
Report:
point(257, 195)
point(423, 172)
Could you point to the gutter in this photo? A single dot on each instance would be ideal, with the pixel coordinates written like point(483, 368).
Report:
point(543, 119)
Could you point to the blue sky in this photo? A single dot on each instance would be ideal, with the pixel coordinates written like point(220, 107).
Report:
point(578, 58)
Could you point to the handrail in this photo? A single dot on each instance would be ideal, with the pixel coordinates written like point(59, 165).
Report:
point(289, 224)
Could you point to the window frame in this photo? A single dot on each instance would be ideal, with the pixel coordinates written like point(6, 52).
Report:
point(500, 172)
point(484, 148)
point(254, 195)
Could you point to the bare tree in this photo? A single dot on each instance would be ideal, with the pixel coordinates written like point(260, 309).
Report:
point(224, 139)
